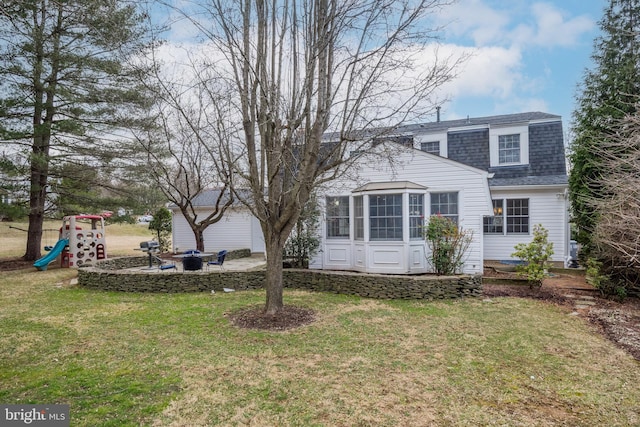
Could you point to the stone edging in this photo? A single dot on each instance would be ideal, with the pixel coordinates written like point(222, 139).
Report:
point(108, 276)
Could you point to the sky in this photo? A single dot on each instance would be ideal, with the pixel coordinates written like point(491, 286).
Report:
point(526, 55)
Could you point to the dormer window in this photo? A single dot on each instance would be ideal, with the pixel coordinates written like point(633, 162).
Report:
point(434, 143)
point(432, 147)
point(509, 145)
point(509, 149)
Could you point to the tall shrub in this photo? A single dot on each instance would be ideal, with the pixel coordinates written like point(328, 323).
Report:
point(448, 244)
point(303, 242)
point(609, 90)
point(536, 256)
point(161, 224)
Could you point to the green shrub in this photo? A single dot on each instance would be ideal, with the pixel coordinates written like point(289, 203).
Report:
point(603, 282)
point(161, 224)
point(448, 244)
point(303, 242)
point(12, 212)
point(535, 255)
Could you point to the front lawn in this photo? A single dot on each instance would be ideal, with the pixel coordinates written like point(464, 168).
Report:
point(144, 359)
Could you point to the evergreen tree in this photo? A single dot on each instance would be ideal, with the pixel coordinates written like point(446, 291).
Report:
point(608, 92)
point(161, 224)
point(66, 81)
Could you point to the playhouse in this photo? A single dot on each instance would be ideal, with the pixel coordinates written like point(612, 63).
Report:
point(81, 242)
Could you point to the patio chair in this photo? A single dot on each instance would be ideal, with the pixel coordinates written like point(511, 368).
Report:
point(164, 264)
point(219, 260)
point(164, 267)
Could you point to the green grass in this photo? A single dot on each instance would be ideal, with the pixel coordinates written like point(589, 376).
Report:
point(143, 359)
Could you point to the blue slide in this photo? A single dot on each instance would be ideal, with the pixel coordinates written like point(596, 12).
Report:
point(43, 262)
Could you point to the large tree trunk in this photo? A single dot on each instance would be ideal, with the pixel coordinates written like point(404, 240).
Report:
point(274, 285)
point(44, 97)
point(199, 235)
point(36, 213)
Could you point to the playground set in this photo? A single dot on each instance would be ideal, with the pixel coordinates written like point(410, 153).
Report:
point(76, 246)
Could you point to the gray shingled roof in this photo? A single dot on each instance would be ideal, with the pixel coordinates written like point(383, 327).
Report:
point(207, 198)
point(476, 121)
point(445, 125)
point(529, 180)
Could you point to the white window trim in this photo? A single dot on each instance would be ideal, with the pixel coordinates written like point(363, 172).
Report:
point(494, 145)
point(504, 217)
point(433, 137)
point(405, 211)
point(439, 191)
point(349, 217)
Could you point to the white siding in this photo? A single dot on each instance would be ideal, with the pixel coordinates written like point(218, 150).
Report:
point(236, 230)
point(438, 175)
point(546, 207)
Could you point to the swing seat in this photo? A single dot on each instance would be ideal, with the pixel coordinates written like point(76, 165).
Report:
point(48, 248)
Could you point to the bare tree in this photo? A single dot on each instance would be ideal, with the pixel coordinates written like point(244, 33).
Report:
point(300, 69)
point(187, 148)
point(616, 237)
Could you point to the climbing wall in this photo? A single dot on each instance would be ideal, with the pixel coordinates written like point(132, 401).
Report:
point(85, 246)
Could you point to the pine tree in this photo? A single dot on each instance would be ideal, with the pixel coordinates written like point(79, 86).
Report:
point(608, 92)
point(66, 81)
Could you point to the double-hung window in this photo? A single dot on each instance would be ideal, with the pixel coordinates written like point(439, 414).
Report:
point(416, 216)
point(358, 218)
point(385, 217)
point(515, 217)
point(495, 224)
point(509, 149)
point(338, 217)
point(445, 204)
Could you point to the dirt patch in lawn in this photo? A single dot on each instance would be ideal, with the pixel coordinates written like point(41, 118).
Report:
point(618, 321)
point(17, 263)
point(289, 317)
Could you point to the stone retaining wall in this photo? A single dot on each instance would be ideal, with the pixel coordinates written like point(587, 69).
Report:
point(106, 276)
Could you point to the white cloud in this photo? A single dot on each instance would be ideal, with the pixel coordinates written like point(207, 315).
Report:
point(553, 29)
point(490, 71)
point(508, 40)
point(540, 24)
point(475, 19)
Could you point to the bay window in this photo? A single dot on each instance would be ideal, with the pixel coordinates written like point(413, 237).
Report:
point(385, 217)
point(358, 218)
point(338, 217)
point(416, 216)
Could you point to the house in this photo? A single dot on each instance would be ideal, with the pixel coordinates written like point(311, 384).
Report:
point(496, 176)
point(237, 229)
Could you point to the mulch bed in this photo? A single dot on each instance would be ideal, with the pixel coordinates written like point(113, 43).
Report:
point(289, 317)
point(11, 264)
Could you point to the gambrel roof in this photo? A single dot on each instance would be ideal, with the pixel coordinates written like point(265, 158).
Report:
point(468, 143)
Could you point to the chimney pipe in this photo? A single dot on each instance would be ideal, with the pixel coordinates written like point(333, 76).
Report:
point(438, 114)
